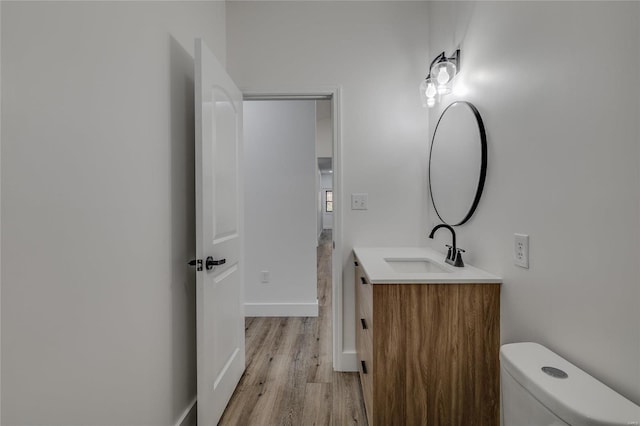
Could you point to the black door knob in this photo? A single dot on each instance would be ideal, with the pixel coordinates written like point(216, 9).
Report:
point(210, 263)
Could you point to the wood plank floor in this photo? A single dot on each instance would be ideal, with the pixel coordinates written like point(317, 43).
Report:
point(289, 378)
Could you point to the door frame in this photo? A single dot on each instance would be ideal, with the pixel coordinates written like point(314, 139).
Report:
point(340, 361)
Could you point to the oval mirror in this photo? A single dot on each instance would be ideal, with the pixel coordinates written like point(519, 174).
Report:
point(457, 163)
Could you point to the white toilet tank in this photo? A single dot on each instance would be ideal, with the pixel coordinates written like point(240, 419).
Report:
point(563, 395)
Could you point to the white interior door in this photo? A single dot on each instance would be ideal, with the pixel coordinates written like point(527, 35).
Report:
point(219, 294)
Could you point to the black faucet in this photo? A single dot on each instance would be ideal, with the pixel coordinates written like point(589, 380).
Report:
point(454, 254)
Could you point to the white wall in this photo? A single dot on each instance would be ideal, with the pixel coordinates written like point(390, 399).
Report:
point(563, 168)
point(376, 51)
point(280, 208)
point(324, 149)
point(98, 309)
point(326, 185)
point(324, 129)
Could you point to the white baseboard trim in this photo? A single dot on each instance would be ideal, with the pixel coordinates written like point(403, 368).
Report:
point(189, 415)
point(349, 361)
point(281, 309)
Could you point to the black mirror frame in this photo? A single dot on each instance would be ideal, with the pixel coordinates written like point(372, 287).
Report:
point(483, 165)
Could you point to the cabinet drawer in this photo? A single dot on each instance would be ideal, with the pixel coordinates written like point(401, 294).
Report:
point(365, 300)
point(366, 369)
point(363, 339)
point(364, 349)
point(364, 317)
point(364, 292)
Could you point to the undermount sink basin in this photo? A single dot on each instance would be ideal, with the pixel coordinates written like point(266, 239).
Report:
point(415, 266)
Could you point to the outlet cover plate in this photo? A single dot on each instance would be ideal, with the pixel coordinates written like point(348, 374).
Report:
point(359, 201)
point(521, 250)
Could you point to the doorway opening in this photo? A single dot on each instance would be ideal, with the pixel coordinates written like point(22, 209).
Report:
point(327, 102)
point(292, 203)
point(280, 224)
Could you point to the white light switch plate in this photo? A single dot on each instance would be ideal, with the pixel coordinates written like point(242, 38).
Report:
point(359, 201)
point(521, 250)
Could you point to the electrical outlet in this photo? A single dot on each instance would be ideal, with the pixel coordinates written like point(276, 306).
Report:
point(359, 201)
point(521, 250)
point(264, 276)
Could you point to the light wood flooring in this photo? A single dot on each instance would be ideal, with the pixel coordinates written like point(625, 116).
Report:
point(289, 378)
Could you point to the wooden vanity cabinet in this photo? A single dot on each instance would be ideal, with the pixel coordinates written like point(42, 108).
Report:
point(428, 353)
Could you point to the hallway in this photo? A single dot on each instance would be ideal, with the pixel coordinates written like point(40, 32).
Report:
point(289, 378)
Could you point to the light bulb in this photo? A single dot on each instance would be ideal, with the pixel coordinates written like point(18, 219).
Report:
point(431, 90)
point(443, 76)
point(444, 73)
point(428, 92)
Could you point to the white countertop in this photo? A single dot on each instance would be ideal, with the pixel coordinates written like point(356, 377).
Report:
point(373, 261)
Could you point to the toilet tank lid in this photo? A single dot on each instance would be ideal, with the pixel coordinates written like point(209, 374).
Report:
point(579, 399)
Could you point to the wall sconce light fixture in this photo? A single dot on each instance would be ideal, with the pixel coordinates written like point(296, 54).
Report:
point(442, 70)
